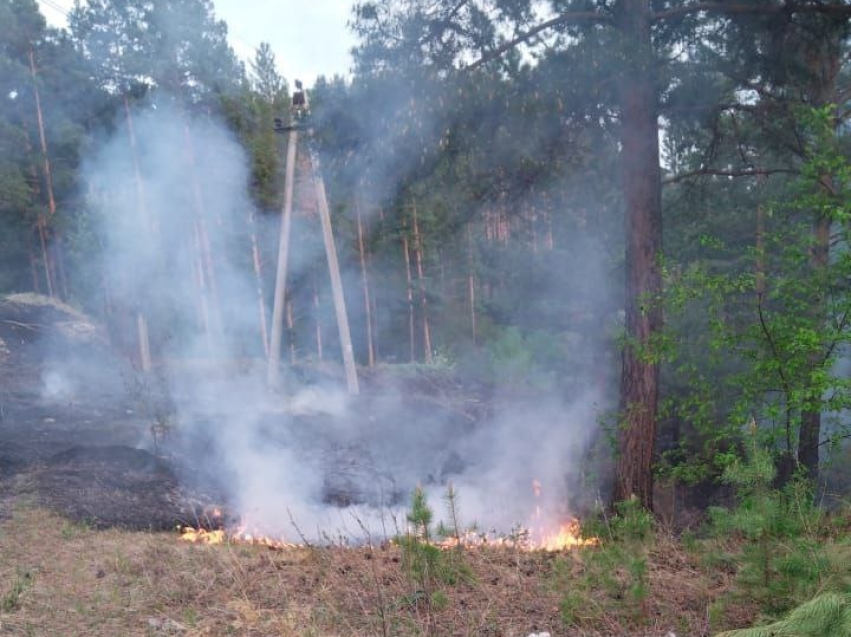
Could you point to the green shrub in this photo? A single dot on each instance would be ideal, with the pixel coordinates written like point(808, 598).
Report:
point(828, 615)
point(784, 558)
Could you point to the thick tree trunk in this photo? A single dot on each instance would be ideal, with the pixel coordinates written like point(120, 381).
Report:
point(810, 433)
point(643, 207)
point(823, 60)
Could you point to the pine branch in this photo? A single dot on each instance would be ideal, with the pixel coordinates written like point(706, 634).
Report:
point(595, 17)
point(573, 17)
point(717, 172)
point(725, 8)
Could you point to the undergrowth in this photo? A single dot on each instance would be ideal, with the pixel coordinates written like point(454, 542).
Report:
point(613, 585)
point(783, 545)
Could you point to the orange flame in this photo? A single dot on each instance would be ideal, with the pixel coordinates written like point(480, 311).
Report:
point(567, 537)
point(239, 535)
point(539, 536)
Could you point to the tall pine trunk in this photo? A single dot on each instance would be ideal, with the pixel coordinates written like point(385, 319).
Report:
point(641, 176)
point(365, 282)
point(40, 224)
point(823, 61)
point(410, 295)
point(143, 339)
point(258, 280)
point(56, 263)
point(418, 254)
point(471, 282)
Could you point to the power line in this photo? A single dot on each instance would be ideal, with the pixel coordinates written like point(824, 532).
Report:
point(55, 6)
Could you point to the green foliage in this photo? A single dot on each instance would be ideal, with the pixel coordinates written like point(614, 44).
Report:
point(756, 330)
point(784, 558)
point(618, 566)
point(427, 564)
point(827, 615)
point(11, 599)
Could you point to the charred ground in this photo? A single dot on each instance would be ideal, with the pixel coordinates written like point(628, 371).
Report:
point(91, 438)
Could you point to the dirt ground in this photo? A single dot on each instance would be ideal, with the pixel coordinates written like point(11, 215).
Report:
point(65, 579)
point(92, 438)
point(93, 488)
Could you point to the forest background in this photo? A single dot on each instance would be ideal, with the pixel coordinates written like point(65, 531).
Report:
point(645, 203)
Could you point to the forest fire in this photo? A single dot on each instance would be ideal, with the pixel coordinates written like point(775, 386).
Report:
point(239, 535)
point(539, 535)
point(567, 537)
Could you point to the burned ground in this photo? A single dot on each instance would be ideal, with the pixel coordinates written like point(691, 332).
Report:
point(86, 435)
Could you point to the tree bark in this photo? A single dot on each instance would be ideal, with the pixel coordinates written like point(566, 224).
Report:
point(48, 177)
point(810, 433)
point(410, 294)
point(317, 319)
point(214, 326)
point(471, 282)
point(291, 330)
point(418, 254)
point(823, 60)
point(641, 176)
point(141, 322)
point(41, 224)
point(258, 278)
point(366, 295)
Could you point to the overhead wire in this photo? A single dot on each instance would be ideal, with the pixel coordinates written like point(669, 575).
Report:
point(55, 6)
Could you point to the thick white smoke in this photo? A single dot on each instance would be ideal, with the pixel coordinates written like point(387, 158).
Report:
point(279, 454)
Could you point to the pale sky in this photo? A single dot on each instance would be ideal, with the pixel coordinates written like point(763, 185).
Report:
point(309, 38)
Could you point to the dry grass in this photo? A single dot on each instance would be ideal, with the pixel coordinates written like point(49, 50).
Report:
point(57, 579)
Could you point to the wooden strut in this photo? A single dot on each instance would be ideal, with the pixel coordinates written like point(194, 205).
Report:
point(273, 371)
point(336, 279)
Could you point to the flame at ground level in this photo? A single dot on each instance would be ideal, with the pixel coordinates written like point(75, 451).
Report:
point(568, 536)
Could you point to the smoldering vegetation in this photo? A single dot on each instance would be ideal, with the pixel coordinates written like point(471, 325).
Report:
point(175, 222)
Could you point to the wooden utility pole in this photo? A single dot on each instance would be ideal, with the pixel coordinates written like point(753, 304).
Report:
point(274, 363)
point(336, 279)
point(301, 108)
